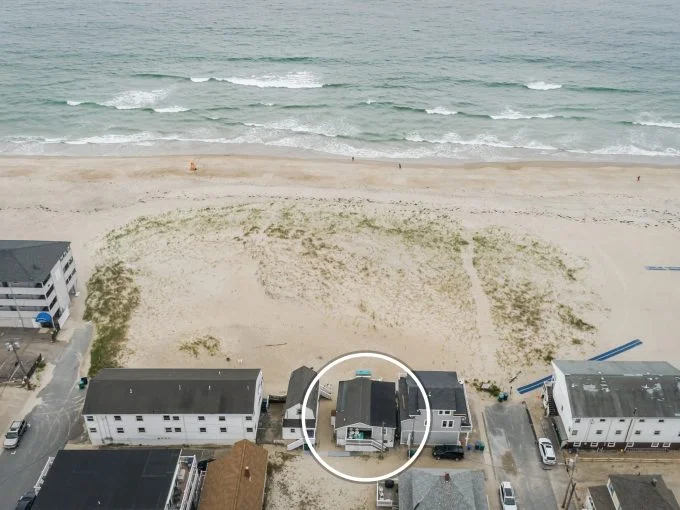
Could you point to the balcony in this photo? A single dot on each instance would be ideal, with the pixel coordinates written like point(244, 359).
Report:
point(387, 497)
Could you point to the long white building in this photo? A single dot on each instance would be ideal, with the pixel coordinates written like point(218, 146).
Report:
point(173, 406)
point(35, 277)
point(615, 404)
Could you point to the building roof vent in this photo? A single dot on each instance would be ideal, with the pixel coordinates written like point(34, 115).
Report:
point(246, 472)
point(654, 482)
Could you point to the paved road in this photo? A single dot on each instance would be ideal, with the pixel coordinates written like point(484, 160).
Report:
point(516, 458)
point(55, 420)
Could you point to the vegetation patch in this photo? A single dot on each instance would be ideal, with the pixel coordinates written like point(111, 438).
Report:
point(112, 296)
point(489, 387)
point(207, 343)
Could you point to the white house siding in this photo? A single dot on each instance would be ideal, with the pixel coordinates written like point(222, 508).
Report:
point(561, 397)
point(295, 413)
point(62, 279)
point(438, 433)
point(103, 429)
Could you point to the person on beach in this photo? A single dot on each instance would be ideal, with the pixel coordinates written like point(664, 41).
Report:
point(638, 179)
point(400, 166)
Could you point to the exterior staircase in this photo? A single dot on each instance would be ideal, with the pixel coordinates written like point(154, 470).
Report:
point(325, 391)
point(552, 408)
point(296, 444)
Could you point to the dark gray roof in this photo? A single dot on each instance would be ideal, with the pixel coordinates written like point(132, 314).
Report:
point(299, 381)
point(601, 497)
point(619, 388)
point(298, 423)
point(108, 480)
point(639, 493)
point(428, 489)
point(362, 400)
point(29, 261)
point(444, 391)
point(172, 390)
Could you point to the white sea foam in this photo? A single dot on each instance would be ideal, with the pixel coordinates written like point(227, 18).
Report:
point(441, 111)
point(74, 103)
point(113, 139)
point(509, 114)
point(541, 85)
point(661, 123)
point(633, 150)
point(199, 80)
point(171, 109)
point(484, 140)
point(327, 129)
point(299, 80)
point(133, 99)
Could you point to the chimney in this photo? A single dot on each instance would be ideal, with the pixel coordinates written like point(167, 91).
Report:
point(654, 482)
point(447, 477)
point(246, 472)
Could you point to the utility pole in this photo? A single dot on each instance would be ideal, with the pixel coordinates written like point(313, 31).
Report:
point(571, 487)
point(13, 346)
point(16, 305)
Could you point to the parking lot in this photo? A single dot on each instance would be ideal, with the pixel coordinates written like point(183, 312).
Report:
point(515, 456)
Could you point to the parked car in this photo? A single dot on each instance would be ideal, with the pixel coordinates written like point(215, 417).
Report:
point(547, 451)
point(16, 431)
point(26, 501)
point(507, 495)
point(448, 451)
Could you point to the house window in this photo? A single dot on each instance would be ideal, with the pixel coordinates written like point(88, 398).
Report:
point(299, 412)
point(202, 429)
point(175, 418)
point(178, 429)
point(141, 429)
point(666, 445)
point(661, 421)
point(618, 432)
point(444, 413)
point(602, 420)
point(657, 432)
point(168, 429)
point(140, 418)
point(577, 420)
point(92, 429)
point(222, 418)
point(576, 445)
point(621, 420)
point(638, 432)
point(447, 424)
point(249, 429)
point(292, 430)
point(90, 418)
point(642, 420)
point(594, 445)
point(223, 429)
point(116, 418)
point(201, 418)
point(249, 418)
point(166, 417)
point(574, 432)
point(630, 445)
point(611, 445)
point(598, 432)
point(120, 430)
point(655, 445)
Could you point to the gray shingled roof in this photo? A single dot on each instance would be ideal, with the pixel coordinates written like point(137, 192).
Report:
point(299, 381)
point(167, 391)
point(443, 389)
point(427, 489)
point(601, 497)
point(29, 261)
point(639, 493)
point(133, 478)
point(622, 388)
point(361, 400)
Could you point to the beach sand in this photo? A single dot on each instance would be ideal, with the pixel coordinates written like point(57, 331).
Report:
point(489, 270)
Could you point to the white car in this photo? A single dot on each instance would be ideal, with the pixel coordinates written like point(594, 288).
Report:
point(507, 496)
point(547, 451)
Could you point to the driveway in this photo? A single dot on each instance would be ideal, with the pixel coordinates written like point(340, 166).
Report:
point(55, 420)
point(515, 456)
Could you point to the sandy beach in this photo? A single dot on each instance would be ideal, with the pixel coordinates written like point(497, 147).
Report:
point(490, 270)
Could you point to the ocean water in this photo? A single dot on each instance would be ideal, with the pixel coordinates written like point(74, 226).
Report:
point(484, 80)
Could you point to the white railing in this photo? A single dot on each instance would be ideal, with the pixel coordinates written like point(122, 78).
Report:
point(365, 442)
point(296, 444)
point(191, 484)
point(43, 474)
point(326, 391)
point(383, 497)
